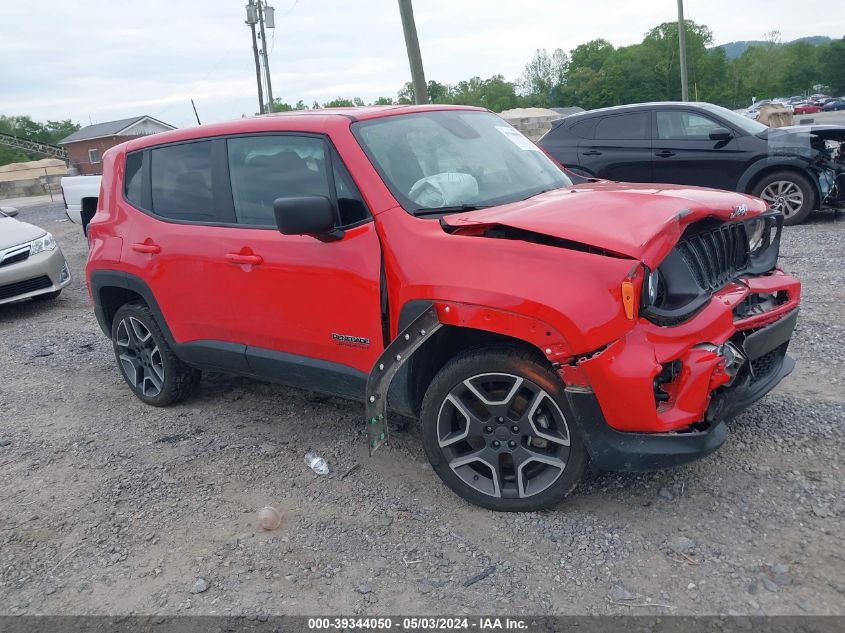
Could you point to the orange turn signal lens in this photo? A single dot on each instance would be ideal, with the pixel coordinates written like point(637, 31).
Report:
point(628, 299)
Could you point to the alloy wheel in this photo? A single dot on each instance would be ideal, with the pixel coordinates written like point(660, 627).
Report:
point(140, 357)
point(503, 435)
point(784, 196)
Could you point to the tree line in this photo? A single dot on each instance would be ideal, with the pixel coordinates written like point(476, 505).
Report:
point(23, 126)
point(597, 74)
point(594, 75)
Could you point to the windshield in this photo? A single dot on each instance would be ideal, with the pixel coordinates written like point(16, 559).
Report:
point(458, 160)
point(749, 126)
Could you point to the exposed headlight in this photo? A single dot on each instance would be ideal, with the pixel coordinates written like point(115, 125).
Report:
point(756, 232)
point(652, 286)
point(44, 243)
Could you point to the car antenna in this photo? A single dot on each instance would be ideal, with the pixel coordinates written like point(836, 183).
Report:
point(194, 106)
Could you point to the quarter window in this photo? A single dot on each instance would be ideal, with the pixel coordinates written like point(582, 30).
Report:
point(181, 182)
point(624, 127)
point(132, 178)
point(680, 125)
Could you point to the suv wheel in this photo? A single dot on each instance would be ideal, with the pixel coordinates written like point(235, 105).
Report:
point(788, 192)
point(498, 431)
point(147, 363)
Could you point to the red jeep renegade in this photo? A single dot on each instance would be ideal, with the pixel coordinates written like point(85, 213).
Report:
point(431, 261)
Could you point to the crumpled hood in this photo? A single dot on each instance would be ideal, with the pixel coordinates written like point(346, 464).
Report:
point(13, 232)
point(640, 221)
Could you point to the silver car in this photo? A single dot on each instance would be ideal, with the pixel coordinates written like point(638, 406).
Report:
point(31, 263)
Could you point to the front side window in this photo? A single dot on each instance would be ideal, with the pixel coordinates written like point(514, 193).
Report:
point(263, 168)
point(624, 127)
point(749, 126)
point(181, 182)
point(681, 125)
point(439, 160)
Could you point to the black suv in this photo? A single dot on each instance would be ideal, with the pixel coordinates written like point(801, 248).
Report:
point(794, 169)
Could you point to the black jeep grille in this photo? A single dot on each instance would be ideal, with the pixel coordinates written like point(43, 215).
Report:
point(22, 287)
point(715, 257)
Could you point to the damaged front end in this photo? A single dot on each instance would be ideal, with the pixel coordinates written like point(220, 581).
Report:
point(715, 322)
point(824, 149)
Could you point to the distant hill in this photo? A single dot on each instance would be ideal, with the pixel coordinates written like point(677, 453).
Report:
point(735, 49)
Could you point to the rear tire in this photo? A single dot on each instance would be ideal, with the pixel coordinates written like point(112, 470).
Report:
point(148, 365)
point(788, 192)
point(498, 430)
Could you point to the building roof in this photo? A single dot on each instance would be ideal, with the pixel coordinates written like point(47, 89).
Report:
point(108, 128)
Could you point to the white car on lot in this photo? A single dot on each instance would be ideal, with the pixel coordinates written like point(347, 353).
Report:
point(81, 194)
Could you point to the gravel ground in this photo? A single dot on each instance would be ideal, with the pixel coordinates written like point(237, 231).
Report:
point(112, 507)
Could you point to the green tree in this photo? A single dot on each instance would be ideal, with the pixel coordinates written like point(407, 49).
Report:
point(832, 66)
point(281, 106)
point(586, 84)
point(543, 74)
point(340, 102)
point(24, 127)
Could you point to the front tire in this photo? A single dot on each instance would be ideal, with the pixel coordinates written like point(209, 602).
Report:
point(499, 432)
point(147, 363)
point(788, 192)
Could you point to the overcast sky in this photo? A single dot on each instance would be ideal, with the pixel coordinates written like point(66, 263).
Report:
point(92, 60)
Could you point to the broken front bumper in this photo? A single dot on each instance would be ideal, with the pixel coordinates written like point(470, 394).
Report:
point(610, 449)
point(660, 395)
point(639, 389)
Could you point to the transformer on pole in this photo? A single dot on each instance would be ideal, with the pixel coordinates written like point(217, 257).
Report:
point(259, 14)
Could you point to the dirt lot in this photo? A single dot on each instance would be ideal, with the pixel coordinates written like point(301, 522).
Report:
point(108, 506)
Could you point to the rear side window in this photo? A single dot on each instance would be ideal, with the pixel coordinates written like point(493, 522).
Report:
point(624, 127)
point(263, 168)
point(132, 177)
point(583, 129)
point(181, 182)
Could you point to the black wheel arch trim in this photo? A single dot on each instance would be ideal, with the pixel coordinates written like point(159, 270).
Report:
point(99, 280)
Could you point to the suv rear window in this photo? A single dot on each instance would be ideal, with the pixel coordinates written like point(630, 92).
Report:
point(181, 182)
point(624, 127)
point(583, 129)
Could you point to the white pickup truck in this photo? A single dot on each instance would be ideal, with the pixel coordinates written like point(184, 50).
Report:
point(80, 194)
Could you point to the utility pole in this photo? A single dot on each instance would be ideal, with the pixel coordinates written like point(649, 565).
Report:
point(251, 21)
point(406, 11)
point(261, 8)
point(682, 43)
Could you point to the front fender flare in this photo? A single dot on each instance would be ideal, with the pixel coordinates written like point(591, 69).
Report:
point(429, 317)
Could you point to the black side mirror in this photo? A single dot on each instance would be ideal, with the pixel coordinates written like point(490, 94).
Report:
point(307, 215)
point(720, 134)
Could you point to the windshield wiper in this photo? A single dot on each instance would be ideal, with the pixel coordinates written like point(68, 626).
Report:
point(453, 209)
point(537, 193)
